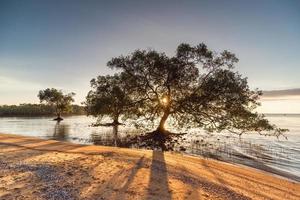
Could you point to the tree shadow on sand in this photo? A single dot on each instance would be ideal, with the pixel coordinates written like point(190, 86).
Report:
point(158, 183)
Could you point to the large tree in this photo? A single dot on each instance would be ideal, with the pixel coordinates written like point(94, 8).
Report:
point(109, 97)
point(195, 87)
point(56, 98)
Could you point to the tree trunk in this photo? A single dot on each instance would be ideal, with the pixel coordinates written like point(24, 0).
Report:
point(115, 119)
point(161, 127)
point(116, 122)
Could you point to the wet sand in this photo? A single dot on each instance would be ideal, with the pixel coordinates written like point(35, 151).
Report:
point(32, 168)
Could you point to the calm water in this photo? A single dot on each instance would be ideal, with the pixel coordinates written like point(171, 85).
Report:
point(278, 156)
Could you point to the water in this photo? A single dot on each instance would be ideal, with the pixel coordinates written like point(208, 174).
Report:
point(279, 156)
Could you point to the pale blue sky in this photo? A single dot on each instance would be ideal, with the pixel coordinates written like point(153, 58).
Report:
point(66, 43)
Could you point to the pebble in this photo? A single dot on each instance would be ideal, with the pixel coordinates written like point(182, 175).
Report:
point(49, 175)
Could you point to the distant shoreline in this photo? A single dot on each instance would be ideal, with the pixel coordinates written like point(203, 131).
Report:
point(281, 113)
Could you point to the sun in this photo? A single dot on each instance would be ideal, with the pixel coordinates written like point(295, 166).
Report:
point(165, 100)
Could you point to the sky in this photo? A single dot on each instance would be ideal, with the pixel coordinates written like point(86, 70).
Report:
point(66, 43)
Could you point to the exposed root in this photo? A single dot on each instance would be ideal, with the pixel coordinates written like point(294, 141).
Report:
point(159, 139)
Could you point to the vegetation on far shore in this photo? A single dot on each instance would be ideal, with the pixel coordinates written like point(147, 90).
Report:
point(35, 110)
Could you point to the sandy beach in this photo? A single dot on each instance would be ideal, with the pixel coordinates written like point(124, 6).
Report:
point(32, 168)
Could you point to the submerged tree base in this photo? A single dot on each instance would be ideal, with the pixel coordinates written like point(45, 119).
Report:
point(58, 119)
point(158, 139)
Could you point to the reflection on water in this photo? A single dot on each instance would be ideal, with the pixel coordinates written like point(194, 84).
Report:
point(115, 134)
point(107, 138)
point(253, 150)
point(113, 137)
point(60, 131)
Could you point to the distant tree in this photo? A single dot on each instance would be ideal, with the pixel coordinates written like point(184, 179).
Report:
point(108, 97)
point(56, 98)
point(195, 88)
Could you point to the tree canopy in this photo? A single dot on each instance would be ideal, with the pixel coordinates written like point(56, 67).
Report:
point(196, 87)
point(109, 97)
point(60, 101)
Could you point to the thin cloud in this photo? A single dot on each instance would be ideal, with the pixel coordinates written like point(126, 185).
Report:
point(282, 93)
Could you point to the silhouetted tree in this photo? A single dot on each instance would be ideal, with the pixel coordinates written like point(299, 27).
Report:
point(108, 97)
point(56, 98)
point(196, 87)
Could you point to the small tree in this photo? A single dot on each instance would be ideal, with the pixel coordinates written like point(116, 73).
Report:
point(60, 101)
point(196, 87)
point(108, 97)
